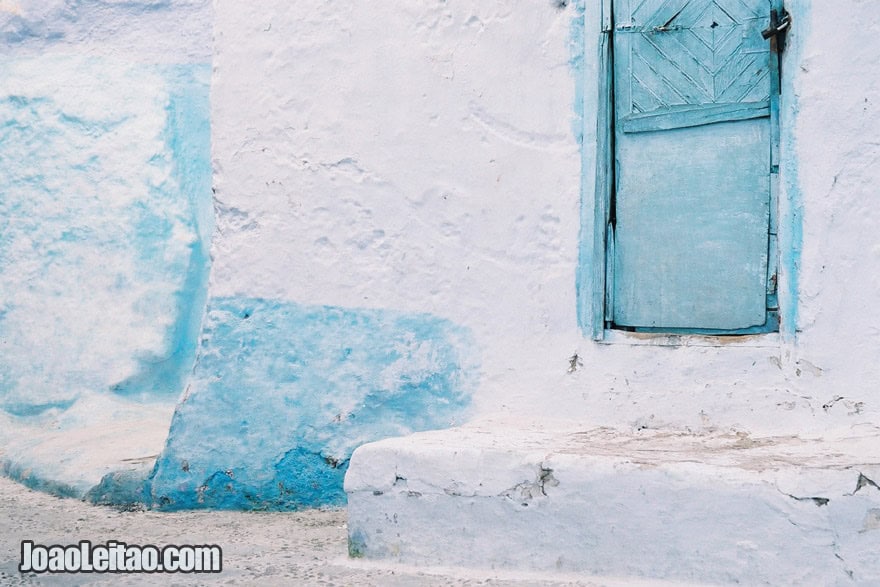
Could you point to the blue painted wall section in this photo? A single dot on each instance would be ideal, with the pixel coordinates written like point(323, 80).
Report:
point(283, 393)
point(584, 64)
point(91, 232)
point(188, 140)
point(791, 230)
point(576, 64)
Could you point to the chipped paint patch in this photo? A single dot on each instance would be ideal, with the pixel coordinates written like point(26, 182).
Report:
point(283, 393)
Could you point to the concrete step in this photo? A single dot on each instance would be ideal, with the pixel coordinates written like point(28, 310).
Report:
point(711, 508)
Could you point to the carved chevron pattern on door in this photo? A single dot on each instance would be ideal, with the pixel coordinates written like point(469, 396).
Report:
point(696, 52)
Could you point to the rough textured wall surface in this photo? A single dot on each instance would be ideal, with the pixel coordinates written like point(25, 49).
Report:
point(431, 158)
point(105, 223)
point(282, 395)
point(104, 262)
point(836, 143)
point(304, 355)
point(413, 157)
point(812, 378)
point(431, 161)
point(99, 234)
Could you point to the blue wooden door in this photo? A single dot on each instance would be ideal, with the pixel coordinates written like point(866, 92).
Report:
point(691, 215)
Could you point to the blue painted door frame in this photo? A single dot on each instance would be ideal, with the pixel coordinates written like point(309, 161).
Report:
point(686, 182)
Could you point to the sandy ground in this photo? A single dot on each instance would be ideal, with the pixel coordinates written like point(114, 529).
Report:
point(301, 548)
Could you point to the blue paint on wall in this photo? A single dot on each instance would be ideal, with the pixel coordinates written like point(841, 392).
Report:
point(188, 139)
point(576, 63)
point(98, 239)
point(52, 21)
point(26, 410)
point(24, 475)
point(126, 489)
point(578, 66)
point(791, 232)
point(577, 49)
point(283, 393)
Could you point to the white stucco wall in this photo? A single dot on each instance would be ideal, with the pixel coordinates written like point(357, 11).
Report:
point(424, 157)
point(105, 222)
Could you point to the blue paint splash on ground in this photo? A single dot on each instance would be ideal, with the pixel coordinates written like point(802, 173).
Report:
point(283, 393)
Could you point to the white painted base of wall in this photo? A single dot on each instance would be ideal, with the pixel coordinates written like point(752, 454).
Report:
point(69, 453)
point(662, 505)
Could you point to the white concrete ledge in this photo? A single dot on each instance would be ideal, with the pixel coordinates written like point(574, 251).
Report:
point(716, 508)
point(101, 449)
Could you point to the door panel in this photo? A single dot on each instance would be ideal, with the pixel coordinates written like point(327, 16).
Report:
point(692, 149)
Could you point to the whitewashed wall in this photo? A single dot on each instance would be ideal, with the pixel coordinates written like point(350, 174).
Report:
point(398, 194)
point(105, 224)
point(424, 157)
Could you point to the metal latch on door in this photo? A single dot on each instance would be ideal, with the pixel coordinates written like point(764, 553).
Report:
point(779, 25)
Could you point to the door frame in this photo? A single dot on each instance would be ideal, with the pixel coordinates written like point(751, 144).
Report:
point(593, 301)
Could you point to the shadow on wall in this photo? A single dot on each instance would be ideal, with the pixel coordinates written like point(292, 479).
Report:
point(282, 394)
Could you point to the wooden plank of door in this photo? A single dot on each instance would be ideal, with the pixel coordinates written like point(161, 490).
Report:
point(692, 204)
point(692, 214)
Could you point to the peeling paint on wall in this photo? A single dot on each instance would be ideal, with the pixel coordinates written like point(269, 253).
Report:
point(791, 202)
point(187, 137)
point(105, 227)
point(452, 185)
point(283, 393)
point(103, 262)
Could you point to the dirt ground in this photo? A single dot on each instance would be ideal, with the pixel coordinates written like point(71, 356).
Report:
point(301, 548)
